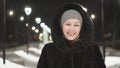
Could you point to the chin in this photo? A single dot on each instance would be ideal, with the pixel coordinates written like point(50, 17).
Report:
point(71, 39)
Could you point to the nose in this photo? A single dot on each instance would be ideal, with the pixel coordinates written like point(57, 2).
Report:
point(72, 28)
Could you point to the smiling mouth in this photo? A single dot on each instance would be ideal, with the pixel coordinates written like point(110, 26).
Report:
point(71, 33)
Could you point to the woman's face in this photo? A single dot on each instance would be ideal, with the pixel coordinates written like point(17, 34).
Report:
point(71, 29)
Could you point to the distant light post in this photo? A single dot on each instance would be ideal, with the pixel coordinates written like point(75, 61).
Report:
point(28, 11)
point(38, 21)
point(102, 27)
point(4, 31)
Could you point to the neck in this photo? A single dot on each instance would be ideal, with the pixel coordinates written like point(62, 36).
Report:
point(69, 42)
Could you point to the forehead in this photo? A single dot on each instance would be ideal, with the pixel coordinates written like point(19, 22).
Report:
point(72, 20)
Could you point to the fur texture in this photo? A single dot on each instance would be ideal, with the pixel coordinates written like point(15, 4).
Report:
point(83, 53)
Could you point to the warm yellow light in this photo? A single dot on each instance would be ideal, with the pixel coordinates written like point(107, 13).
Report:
point(11, 12)
point(21, 18)
point(93, 16)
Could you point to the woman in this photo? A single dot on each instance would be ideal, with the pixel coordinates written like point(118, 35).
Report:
point(72, 47)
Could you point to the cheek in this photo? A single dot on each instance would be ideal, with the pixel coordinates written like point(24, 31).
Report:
point(64, 30)
point(78, 29)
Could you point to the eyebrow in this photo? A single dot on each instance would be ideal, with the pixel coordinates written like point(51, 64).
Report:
point(77, 22)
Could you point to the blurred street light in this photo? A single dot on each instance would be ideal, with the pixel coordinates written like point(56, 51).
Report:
point(42, 25)
point(28, 10)
point(45, 27)
point(27, 24)
point(46, 30)
point(11, 12)
point(85, 9)
point(93, 16)
point(33, 27)
point(38, 20)
point(36, 31)
point(21, 18)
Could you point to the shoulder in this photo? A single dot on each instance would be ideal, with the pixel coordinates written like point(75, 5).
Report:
point(50, 49)
point(92, 47)
point(88, 44)
point(48, 46)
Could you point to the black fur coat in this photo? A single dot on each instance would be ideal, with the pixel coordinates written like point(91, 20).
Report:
point(83, 53)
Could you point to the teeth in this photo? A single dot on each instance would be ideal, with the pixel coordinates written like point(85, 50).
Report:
point(71, 33)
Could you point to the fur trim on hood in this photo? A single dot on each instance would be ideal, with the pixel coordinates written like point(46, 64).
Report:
point(86, 32)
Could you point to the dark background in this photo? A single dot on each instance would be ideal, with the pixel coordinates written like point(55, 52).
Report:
point(15, 29)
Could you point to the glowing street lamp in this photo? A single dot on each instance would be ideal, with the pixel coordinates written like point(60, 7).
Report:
point(21, 18)
point(27, 24)
point(33, 27)
point(36, 31)
point(11, 12)
point(93, 16)
point(38, 20)
point(28, 11)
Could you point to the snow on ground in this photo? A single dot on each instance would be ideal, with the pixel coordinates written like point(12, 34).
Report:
point(10, 64)
point(112, 62)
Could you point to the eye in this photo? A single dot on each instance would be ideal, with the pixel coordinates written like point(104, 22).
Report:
point(76, 25)
point(68, 24)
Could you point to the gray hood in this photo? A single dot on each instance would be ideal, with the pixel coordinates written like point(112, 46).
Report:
point(86, 33)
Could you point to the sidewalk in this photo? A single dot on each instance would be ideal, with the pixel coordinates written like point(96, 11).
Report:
point(14, 59)
point(110, 61)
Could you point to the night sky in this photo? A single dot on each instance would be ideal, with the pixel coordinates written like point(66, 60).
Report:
point(46, 8)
